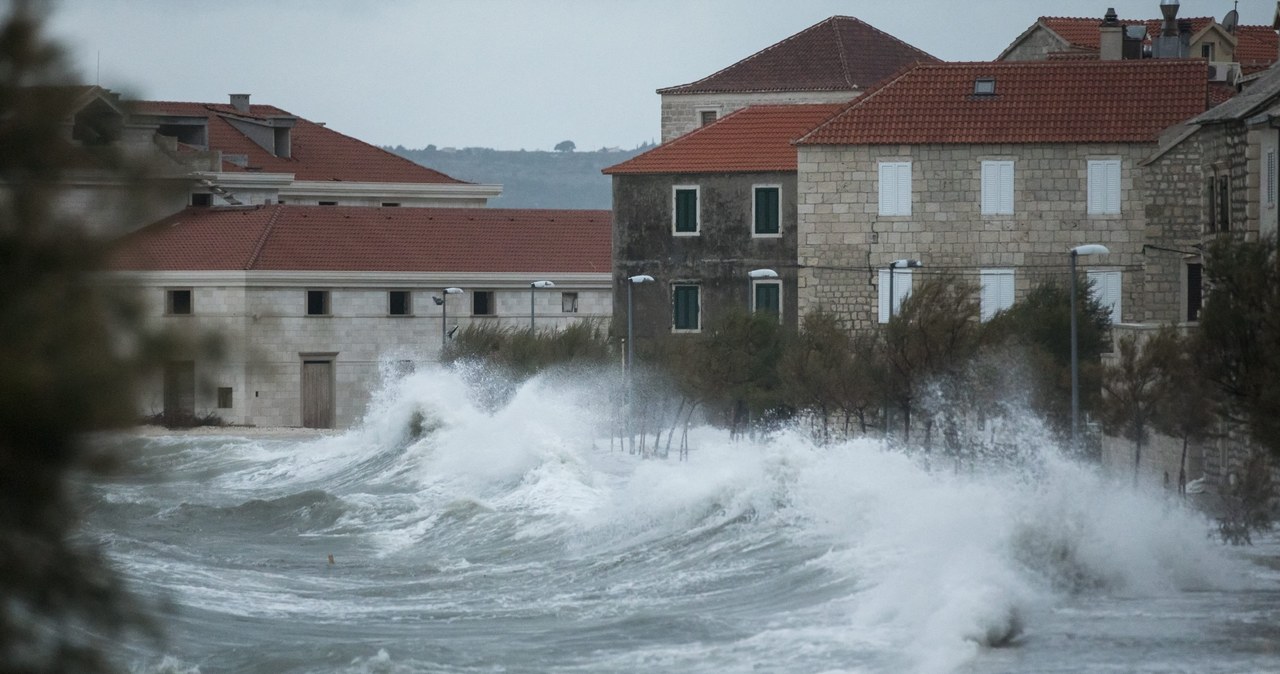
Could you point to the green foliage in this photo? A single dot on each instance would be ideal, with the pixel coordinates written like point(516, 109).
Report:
point(1132, 386)
point(566, 146)
point(1040, 326)
point(1239, 339)
point(1246, 503)
point(72, 352)
point(735, 372)
point(1184, 400)
point(520, 353)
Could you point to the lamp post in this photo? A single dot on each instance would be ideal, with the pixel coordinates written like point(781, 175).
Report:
point(631, 281)
point(532, 287)
point(1088, 249)
point(756, 275)
point(897, 264)
point(443, 300)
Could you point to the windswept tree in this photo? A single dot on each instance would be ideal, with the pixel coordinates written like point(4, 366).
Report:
point(1184, 400)
point(740, 352)
point(1132, 386)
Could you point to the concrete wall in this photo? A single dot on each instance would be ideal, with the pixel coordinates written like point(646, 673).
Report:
point(842, 239)
point(680, 112)
point(266, 334)
point(718, 259)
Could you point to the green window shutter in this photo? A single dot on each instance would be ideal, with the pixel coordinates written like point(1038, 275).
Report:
point(685, 311)
point(766, 210)
point(768, 297)
point(686, 210)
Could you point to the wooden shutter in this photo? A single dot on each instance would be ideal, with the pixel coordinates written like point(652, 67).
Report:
point(685, 309)
point(317, 394)
point(904, 188)
point(768, 297)
point(767, 214)
point(1194, 291)
point(686, 210)
point(1104, 186)
point(895, 188)
point(1106, 285)
point(997, 187)
point(997, 291)
point(901, 289)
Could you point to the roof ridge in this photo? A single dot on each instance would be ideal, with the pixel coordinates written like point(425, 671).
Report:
point(262, 240)
point(844, 57)
point(770, 48)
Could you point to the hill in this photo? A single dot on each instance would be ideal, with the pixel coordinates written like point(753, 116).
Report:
point(530, 179)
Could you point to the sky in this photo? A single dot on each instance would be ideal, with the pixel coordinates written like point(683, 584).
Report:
point(505, 74)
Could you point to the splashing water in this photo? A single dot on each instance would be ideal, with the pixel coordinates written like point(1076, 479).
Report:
point(466, 539)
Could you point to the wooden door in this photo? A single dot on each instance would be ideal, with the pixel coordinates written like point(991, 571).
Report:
point(317, 393)
point(179, 391)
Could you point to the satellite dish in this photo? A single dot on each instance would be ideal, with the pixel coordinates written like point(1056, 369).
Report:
point(1230, 21)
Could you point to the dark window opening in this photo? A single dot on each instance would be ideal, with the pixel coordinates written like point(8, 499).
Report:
point(390, 204)
point(767, 211)
point(328, 203)
point(482, 303)
point(569, 303)
point(706, 117)
point(768, 297)
point(224, 397)
point(317, 302)
point(178, 302)
point(684, 300)
point(984, 86)
point(1194, 292)
point(1224, 203)
point(1212, 197)
point(687, 210)
point(399, 303)
point(201, 199)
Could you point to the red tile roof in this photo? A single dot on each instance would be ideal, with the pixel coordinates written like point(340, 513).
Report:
point(1255, 45)
point(340, 238)
point(1035, 102)
point(838, 54)
point(750, 140)
point(317, 152)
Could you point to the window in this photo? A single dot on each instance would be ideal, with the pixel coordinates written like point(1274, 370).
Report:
point(1224, 203)
point(706, 117)
point(684, 308)
point(224, 397)
point(895, 188)
point(767, 297)
point(317, 302)
point(1211, 196)
point(1104, 186)
point(1194, 291)
point(399, 303)
point(390, 204)
point(482, 303)
point(997, 187)
point(328, 203)
point(901, 289)
point(1106, 287)
point(767, 209)
point(569, 303)
point(178, 302)
point(984, 86)
point(997, 291)
point(1271, 178)
point(684, 218)
point(1206, 50)
point(201, 199)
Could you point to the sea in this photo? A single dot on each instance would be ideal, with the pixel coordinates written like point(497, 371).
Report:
point(457, 531)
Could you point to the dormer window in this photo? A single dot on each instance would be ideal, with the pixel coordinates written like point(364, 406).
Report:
point(984, 86)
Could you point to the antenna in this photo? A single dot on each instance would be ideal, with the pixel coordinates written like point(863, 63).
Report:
point(1231, 20)
point(97, 78)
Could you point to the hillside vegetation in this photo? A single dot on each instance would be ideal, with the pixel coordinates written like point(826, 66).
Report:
point(530, 179)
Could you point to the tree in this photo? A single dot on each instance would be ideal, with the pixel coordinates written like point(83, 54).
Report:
point(72, 351)
point(1239, 339)
point(1132, 386)
point(566, 146)
point(1184, 401)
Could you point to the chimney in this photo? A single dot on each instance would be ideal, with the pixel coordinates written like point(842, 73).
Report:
point(1110, 37)
point(1168, 45)
point(240, 102)
point(1169, 8)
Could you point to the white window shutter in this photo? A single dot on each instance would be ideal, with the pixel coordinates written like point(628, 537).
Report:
point(990, 180)
point(888, 190)
point(1107, 286)
point(1095, 188)
point(1005, 181)
point(997, 291)
point(1271, 177)
point(884, 296)
point(1112, 186)
point(1104, 186)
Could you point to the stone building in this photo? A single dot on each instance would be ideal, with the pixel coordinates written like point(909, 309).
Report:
point(991, 171)
point(830, 62)
point(315, 302)
point(702, 211)
point(1235, 49)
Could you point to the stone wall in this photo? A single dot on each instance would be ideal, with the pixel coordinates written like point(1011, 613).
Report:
point(680, 112)
point(717, 259)
point(843, 240)
point(266, 334)
point(1036, 46)
point(1176, 210)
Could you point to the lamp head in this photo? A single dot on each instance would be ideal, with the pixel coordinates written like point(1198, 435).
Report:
point(453, 291)
point(899, 264)
point(542, 284)
point(437, 299)
point(640, 278)
point(762, 273)
point(1090, 249)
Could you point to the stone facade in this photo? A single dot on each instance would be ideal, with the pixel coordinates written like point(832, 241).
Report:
point(1035, 45)
point(263, 324)
point(843, 239)
point(681, 113)
point(717, 259)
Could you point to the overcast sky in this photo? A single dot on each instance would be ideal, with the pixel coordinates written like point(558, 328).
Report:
point(506, 74)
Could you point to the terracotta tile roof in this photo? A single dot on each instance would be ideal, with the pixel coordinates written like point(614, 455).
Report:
point(752, 139)
point(340, 238)
point(1255, 45)
point(838, 54)
point(1035, 102)
point(317, 152)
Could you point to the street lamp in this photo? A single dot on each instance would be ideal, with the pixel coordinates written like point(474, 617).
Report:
point(897, 264)
point(756, 275)
point(1089, 249)
point(532, 287)
point(440, 301)
point(631, 281)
